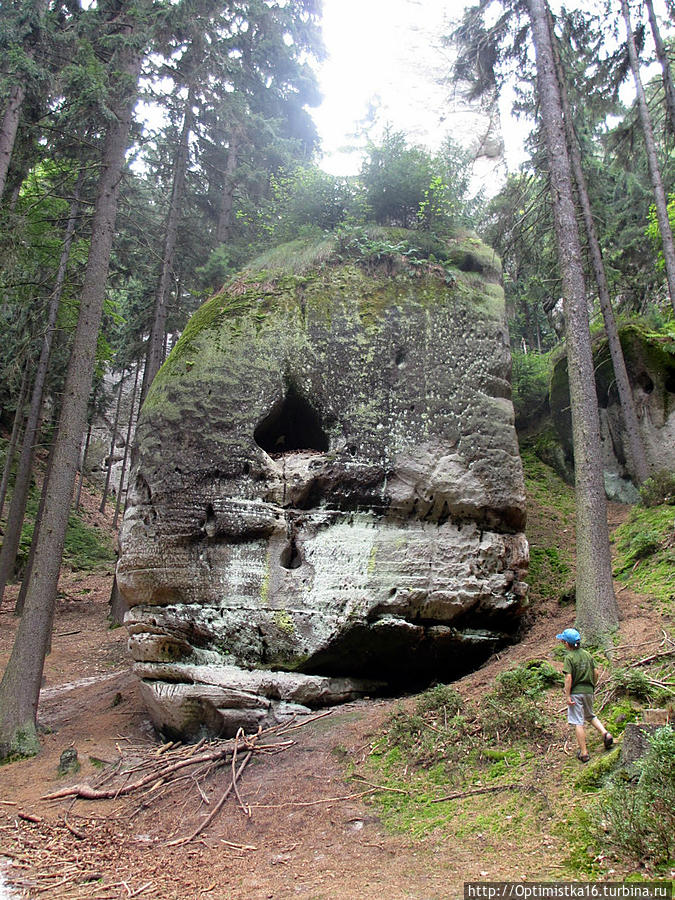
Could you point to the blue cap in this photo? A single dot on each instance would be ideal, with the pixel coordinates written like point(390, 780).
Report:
point(570, 636)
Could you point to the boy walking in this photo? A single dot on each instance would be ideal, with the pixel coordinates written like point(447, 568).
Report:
point(579, 672)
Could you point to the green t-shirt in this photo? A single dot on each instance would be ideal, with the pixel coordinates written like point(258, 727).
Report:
point(580, 665)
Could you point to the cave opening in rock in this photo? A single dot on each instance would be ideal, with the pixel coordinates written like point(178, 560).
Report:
point(291, 557)
point(291, 425)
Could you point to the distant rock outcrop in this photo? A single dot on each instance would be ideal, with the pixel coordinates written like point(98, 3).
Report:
point(328, 497)
point(650, 360)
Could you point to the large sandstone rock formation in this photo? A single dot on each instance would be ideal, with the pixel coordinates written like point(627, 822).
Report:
point(328, 496)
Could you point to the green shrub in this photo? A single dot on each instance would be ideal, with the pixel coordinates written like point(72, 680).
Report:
point(658, 489)
point(521, 717)
point(442, 699)
point(513, 709)
point(637, 818)
point(632, 682)
point(530, 377)
point(529, 679)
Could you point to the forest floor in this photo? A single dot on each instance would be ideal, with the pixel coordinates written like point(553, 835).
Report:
point(311, 830)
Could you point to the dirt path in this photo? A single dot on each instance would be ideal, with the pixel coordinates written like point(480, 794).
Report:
point(305, 840)
point(308, 835)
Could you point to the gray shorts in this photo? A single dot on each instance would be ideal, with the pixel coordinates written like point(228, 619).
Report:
point(582, 709)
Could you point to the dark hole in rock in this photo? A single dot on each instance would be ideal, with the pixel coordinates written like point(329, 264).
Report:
point(400, 357)
point(645, 382)
point(291, 425)
point(247, 469)
point(403, 661)
point(670, 382)
point(290, 556)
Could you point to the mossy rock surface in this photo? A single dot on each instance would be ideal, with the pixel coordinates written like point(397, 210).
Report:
point(327, 477)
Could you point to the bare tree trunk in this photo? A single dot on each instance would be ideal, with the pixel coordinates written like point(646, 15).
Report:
point(82, 463)
point(660, 201)
point(158, 330)
point(12, 114)
point(8, 130)
point(639, 467)
point(20, 686)
point(14, 439)
point(662, 56)
point(225, 218)
point(597, 611)
point(17, 508)
point(112, 445)
point(126, 450)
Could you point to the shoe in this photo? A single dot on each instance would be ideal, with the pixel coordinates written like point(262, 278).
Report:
point(607, 740)
point(582, 757)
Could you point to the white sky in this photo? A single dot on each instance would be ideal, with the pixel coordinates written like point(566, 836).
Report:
point(389, 50)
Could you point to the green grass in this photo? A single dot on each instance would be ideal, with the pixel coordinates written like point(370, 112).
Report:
point(645, 548)
point(86, 548)
point(444, 745)
point(550, 529)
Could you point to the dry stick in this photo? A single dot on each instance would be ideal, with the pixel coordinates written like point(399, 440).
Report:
point(74, 831)
point(246, 810)
point(237, 846)
point(648, 659)
point(216, 808)
point(89, 793)
point(486, 790)
point(291, 727)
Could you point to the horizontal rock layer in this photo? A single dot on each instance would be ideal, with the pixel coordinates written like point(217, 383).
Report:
point(327, 484)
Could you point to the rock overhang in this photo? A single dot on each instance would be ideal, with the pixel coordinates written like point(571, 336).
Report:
point(327, 484)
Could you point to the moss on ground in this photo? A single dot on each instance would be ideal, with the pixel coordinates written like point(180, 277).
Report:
point(86, 548)
point(645, 553)
point(550, 530)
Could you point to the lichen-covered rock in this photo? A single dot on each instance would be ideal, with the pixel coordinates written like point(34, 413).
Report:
point(650, 361)
point(328, 489)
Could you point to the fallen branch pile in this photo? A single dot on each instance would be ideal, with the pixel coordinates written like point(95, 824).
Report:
point(152, 773)
point(664, 650)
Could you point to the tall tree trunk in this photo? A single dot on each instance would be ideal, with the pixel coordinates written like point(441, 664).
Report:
point(8, 130)
point(108, 473)
point(660, 201)
point(12, 114)
point(597, 611)
point(82, 463)
point(639, 466)
point(25, 576)
point(227, 205)
point(14, 439)
point(17, 508)
point(126, 451)
point(158, 330)
point(662, 56)
point(20, 686)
